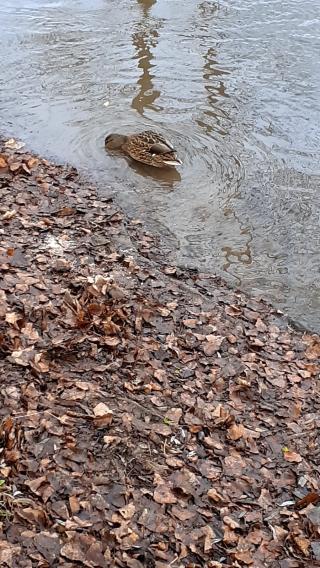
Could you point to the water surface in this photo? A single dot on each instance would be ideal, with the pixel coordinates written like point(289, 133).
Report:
point(235, 85)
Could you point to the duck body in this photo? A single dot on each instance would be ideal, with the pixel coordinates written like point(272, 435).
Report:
point(147, 147)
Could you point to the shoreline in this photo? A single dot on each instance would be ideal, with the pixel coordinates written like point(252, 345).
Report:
point(151, 415)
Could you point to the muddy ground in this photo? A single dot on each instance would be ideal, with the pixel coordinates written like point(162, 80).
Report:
point(150, 416)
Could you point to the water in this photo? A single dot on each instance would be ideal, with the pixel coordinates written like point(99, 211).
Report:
point(234, 85)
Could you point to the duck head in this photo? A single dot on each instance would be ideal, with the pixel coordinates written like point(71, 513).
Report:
point(115, 141)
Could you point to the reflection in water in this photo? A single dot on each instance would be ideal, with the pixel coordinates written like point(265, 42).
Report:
point(243, 255)
point(146, 5)
point(143, 39)
point(168, 176)
point(216, 120)
point(215, 91)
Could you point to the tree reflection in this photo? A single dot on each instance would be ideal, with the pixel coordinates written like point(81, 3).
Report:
point(145, 39)
point(216, 123)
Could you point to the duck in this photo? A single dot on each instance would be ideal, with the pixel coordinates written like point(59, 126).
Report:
point(147, 147)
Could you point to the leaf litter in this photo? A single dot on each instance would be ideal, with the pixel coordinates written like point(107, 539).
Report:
point(150, 416)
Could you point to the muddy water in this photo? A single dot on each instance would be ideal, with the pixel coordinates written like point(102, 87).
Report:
point(236, 87)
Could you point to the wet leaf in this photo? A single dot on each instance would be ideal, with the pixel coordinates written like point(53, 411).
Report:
point(14, 144)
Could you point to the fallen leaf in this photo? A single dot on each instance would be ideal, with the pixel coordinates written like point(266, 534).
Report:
point(182, 514)
point(7, 553)
point(292, 456)
point(191, 323)
point(212, 344)
point(244, 556)
point(9, 215)
point(313, 515)
point(236, 431)
point(35, 484)
point(214, 495)
point(48, 544)
point(128, 511)
point(103, 415)
point(109, 440)
point(14, 144)
point(311, 497)
point(174, 415)
point(303, 544)
point(163, 495)
point(231, 523)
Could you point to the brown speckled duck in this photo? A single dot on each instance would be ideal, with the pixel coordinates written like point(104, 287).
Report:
point(147, 147)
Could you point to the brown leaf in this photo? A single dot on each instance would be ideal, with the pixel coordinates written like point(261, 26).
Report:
point(313, 351)
point(35, 484)
point(103, 415)
point(212, 344)
point(14, 144)
point(66, 212)
point(256, 536)
point(233, 310)
point(128, 511)
point(311, 497)
point(209, 538)
point(303, 544)
point(191, 323)
point(236, 431)
point(112, 341)
point(183, 514)
point(174, 462)
point(72, 551)
point(244, 556)
point(214, 495)
point(162, 429)
point(279, 533)
point(9, 215)
point(32, 163)
point(48, 544)
point(95, 309)
point(163, 495)
point(231, 523)
point(74, 504)
point(109, 440)
point(174, 415)
point(7, 553)
point(293, 457)
point(265, 500)
point(3, 163)
point(15, 166)
point(209, 470)
point(260, 325)
point(34, 515)
point(229, 535)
